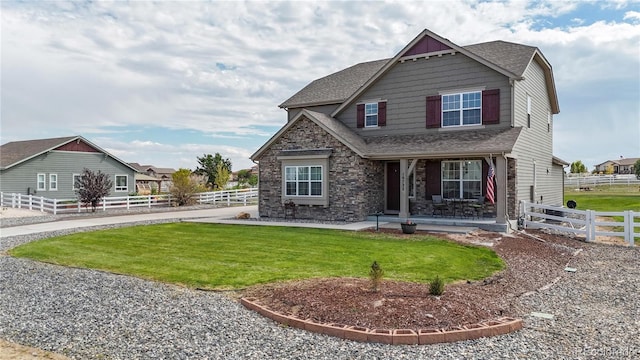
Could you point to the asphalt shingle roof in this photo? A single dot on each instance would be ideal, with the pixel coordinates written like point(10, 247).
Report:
point(18, 151)
point(339, 86)
point(336, 87)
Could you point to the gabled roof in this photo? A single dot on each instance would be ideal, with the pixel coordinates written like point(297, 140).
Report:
point(621, 161)
point(344, 86)
point(334, 127)
point(450, 143)
point(17, 152)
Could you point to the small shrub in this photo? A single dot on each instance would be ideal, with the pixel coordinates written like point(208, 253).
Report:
point(436, 286)
point(375, 275)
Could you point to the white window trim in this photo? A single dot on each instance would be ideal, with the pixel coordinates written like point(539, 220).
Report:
point(73, 181)
point(460, 93)
point(323, 161)
point(44, 182)
point(115, 183)
point(461, 179)
point(51, 182)
point(376, 114)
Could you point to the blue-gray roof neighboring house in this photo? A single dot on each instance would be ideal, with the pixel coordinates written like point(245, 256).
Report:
point(49, 167)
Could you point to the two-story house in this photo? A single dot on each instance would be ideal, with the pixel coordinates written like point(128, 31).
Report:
point(436, 119)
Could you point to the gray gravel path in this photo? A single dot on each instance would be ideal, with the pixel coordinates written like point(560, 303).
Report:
point(87, 314)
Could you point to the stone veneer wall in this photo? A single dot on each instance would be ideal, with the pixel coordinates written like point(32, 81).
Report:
point(513, 210)
point(356, 185)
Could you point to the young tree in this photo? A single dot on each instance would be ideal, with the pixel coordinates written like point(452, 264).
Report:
point(92, 187)
point(185, 186)
point(208, 165)
point(577, 167)
point(222, 176)
point(636, 169)
point(246, 178)
point(608, 170)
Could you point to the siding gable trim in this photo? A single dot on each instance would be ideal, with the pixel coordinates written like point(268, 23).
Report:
point(392, 62)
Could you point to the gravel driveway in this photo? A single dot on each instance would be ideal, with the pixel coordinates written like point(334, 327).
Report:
point(87, 314)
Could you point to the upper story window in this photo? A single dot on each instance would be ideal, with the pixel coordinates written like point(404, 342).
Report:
point(122, 183)
point(528, 111)
point(466, 108)
point(462, 109)
point(371, 115)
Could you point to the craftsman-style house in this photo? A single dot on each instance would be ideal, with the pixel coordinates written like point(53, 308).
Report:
point(437, 120)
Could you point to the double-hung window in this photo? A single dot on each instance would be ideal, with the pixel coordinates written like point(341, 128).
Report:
point(462, 109)
point(75, 181)
point(41, 182)
point(53, 182)
point(371, 115)
point(303, 180)
point(122, 183)
point(462, 179)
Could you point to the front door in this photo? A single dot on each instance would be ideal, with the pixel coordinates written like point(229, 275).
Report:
point(393, 188)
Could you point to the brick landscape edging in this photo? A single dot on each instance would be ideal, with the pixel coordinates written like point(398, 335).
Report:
point(499, 326)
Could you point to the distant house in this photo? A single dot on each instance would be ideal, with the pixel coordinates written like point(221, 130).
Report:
point(234, 180)
point(152, 177)
point(437, 120)
point(49, 167)
point(620, 166)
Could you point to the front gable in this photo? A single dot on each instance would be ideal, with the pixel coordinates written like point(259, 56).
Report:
point(427, 45)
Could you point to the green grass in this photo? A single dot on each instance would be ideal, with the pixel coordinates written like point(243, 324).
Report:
point(607, 198)
point(218, 256)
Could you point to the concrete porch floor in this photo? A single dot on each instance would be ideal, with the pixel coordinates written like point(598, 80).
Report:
point(428, 223)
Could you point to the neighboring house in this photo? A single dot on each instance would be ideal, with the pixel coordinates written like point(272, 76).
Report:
point(620, 166)
point(233, 179)
point(154, 178)
point(49, 167)
point(386, 135)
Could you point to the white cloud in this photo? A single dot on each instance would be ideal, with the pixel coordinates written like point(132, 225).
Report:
point(221, 68)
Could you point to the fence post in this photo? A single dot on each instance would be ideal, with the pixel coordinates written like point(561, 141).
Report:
point(30, 202)
point(590, 226)
point(128, 202)
point(19, 201)
point(55, 206)
point(629, 229)
point(1, 199)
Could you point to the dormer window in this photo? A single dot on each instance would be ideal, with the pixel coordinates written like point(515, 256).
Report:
point(371, 115)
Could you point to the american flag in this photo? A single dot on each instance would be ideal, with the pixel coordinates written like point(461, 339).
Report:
point(490, 189)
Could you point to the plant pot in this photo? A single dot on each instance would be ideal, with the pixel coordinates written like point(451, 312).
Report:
point(408, 228)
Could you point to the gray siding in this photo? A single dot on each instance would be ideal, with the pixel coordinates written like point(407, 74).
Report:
point(63, 163)
point(406, 86)
point(324, 109)
point(535, 143)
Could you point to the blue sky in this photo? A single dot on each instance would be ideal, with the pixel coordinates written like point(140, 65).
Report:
point(164, 82)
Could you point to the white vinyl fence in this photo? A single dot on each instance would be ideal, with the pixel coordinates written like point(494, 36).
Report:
point(581, 222)
point(585, 182)
point(59, 206)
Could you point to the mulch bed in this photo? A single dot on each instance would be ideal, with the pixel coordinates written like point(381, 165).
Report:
point(531, 264)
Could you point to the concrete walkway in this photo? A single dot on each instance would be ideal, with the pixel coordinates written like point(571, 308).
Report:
point(217, 216)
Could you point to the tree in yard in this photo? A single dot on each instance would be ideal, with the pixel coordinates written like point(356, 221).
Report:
point(185, 186)
point(636, 169)
point(246, 178)
point(208, 165)
point(92, 187)
point(608, 170)
point(222, 176)
point(577, 167)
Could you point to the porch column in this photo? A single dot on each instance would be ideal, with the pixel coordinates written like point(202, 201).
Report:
point(404, 190)
point(501, 190)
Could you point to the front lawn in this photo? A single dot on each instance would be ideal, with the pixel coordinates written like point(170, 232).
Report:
point(216, 256)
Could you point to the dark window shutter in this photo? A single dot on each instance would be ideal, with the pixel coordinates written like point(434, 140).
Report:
point(434, 111)
point(432, 180)
point(491, 107)
point(360, 116)
point(382, 113)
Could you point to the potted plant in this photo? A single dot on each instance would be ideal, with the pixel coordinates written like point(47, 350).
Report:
point(408, 227)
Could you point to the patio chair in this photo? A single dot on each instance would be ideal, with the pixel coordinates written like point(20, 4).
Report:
point(439, 206)
point(478, 207)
